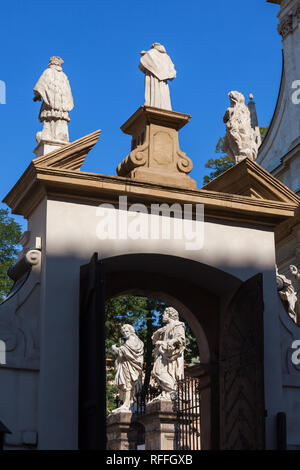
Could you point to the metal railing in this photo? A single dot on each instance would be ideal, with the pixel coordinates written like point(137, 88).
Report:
point(188, 401)
point(145, 396)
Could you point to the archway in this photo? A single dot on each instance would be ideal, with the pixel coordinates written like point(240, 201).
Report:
point(198, 291)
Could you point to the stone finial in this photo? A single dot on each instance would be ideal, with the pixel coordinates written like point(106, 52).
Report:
point(158, 69)
point(53, 89)
point(240, 139)
point(169, 344)
point(254, 120)
point(128, 366)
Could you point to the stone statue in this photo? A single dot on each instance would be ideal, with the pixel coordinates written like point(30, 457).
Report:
point(158, 69)
point(54, 89)
point(295, 272)
point(169, 342)
point(128, 366)
point(287, 293)
point(240, 140)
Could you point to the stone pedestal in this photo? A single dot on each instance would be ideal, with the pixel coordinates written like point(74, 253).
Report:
point(121, 431)
point(45, 146)
point(160, 425)
point(155, 155)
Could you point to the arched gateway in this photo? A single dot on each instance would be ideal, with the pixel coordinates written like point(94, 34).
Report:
point(227, 321)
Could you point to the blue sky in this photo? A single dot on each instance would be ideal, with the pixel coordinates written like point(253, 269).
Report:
point(216, 47)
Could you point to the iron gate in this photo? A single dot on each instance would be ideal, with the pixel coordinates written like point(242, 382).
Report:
point(188, 407)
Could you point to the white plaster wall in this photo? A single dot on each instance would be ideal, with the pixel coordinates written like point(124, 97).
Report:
point(70, 241)
point(72, 231)
point(19, 377)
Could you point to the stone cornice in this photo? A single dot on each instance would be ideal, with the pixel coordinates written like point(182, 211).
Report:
point(289, 21)
point(56, 175)
point(39, 182)
point(250, 179)
point(286, 159)
point(147, 114)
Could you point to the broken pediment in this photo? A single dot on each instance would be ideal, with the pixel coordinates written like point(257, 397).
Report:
point(247, 178)
point(70, 156)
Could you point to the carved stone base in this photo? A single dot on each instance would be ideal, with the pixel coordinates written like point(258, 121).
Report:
point(44, 147)
point(160, 425)
point(121, 431)
point(155, 155)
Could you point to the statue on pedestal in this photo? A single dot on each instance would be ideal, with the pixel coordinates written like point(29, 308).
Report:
point(128, 366)
point(287, 292)
point(169, 343)
point(240, 140)
point(158, 69)
point(53, 88)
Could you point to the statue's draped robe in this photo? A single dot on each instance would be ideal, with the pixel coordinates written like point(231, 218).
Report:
point(129, 364)
point(158, 68)
point(54, 88)
point(169, 358)
point(289, 295)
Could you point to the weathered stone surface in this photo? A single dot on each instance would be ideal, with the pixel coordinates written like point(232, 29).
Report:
point(53, 89)
point(287, 293)
point(121, 431)
point(160, 425)
point(155, 155)
point(128, 366)
point(240, 140)
point(158, 69)
point(169, 345)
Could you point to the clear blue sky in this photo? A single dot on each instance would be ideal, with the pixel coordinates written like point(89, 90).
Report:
point(216, 46)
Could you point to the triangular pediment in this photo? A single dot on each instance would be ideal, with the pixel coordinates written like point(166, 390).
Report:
point(70, 156)
point(248, 178)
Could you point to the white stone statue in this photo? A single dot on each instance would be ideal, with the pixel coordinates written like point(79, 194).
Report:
point(54, 89)
point(128, 366)
point(169, 342)
point(158, 69)
point(287, 293)
point(295, 272)
point(240, 140)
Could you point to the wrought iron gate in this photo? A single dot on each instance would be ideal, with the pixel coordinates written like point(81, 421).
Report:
point(188, 407)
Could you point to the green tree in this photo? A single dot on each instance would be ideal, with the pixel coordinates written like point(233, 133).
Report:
point(219, 164)
point(10, 232)
point(223, 162)
point(263, 132)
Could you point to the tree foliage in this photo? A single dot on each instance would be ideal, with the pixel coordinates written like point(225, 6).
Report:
point(10, 232)
point(263, 132)
point(223, 162)
point(219, 164)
